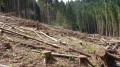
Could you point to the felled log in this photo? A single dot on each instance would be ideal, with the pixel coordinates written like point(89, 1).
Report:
point(18, 29)
point(83, 53)
point(108, 57)
point(8, 37)
point(15, 33)
point(81, 58)
point(40, 33)
point(64, 55)
point(116, 57)
point(37, 34)
point(101, 52)
point(48, 57)
point(103, 40)
point(48, 36)
point(61, 55)
point(1, 65)
point(54, 45)
point(31, 46)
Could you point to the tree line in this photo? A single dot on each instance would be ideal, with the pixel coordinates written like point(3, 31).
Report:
point(89, 16)
point(28, 9)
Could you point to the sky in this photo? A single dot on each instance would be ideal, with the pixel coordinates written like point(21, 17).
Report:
point(65, 0)
point(60, 0)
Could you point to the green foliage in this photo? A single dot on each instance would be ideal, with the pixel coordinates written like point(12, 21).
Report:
point(29, 59)
point(43, 56)
point(90, 16)
point(72, 58)
point(90, 48)
point(10, 65)
point(1, 2)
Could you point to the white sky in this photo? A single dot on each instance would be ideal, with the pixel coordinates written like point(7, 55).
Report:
point(65, 0)
point(60, 0)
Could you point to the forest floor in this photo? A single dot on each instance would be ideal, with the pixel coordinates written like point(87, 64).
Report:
point(22, 51)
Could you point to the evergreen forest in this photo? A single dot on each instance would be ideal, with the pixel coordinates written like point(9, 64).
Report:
point(87, 16)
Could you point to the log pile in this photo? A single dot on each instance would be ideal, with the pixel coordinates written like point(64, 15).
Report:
point(107, 57)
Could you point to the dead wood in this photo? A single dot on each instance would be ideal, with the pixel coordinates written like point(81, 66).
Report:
point(116, 57)
point(54, 45)
point(37, 34)
point(18, 29)
point(47, 57)
point(83, 53)
point(31, 46)
point(8, 37)
point(47, 36)
point(40, 33)
point(3, 25)
point(15, 34)
point(64, 55)
point(108, 56)
point(101, 52)
point(1, 65)
point(103, 40)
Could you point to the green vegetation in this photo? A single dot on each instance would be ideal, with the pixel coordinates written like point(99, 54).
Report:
point(8, 54)
point(90, 16)
point(29, 59)
point(43, 56)
point(10, 65)
point(72, 58)
point(1, 2)
point(90, 48)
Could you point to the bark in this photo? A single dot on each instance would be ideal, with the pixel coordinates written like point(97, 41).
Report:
point(108, 56)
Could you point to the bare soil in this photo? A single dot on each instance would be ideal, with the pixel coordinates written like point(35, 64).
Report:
point(23, 52)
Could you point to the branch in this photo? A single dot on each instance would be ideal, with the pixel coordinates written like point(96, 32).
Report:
point(15, 33)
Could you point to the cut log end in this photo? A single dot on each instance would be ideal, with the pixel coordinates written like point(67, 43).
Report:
point(101, 52)
point(82, 56)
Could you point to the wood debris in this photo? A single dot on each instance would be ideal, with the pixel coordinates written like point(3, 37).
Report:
point(107, 56)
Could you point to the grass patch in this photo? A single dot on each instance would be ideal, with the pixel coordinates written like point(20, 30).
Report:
point(90, 48)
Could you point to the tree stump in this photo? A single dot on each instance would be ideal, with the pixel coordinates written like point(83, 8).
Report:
point(1, 32)
point(47, 57)
point(81, 59)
